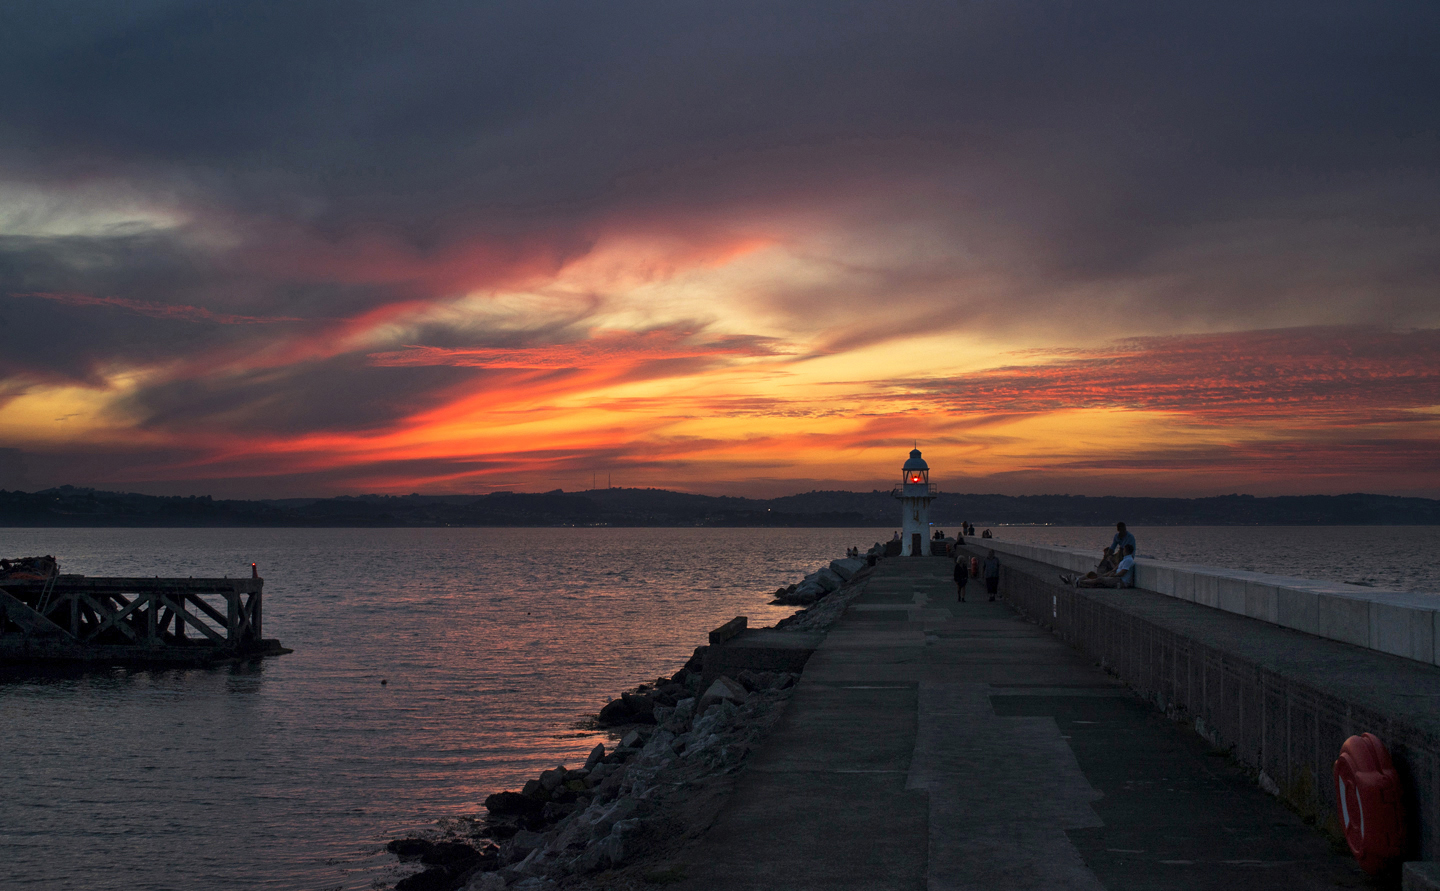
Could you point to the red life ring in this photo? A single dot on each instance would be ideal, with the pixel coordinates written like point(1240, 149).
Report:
point(1367, 790)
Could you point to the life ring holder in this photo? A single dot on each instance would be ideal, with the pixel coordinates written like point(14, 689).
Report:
point(1370, 803)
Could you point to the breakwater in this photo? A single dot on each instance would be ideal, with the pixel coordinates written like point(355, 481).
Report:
point(1276, 671)
point(682, 738)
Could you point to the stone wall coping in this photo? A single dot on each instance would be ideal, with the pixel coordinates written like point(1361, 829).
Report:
point(1401, 623)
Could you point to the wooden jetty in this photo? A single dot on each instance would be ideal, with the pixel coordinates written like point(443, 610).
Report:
point(170, 621)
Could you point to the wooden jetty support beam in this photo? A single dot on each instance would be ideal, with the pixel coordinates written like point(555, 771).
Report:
point(133, 619)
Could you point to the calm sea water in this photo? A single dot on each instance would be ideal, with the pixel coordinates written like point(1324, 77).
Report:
point(293, 773)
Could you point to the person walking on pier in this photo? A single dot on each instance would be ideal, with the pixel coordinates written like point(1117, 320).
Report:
point(992, 574)
point(962, 575)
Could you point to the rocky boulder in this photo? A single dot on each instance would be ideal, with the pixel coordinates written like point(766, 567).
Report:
point(695, 663)
point(723, 690)
point(508, 804)
point(410, 848)
point(614, 712)
point(450, 854)
point(596, 754)
point(641, 706)
point(848, 568)
point(803, 594)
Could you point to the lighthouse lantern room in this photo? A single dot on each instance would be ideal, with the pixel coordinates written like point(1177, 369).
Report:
point(915, 494)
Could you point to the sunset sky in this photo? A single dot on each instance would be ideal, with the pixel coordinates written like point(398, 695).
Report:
point(308, 248)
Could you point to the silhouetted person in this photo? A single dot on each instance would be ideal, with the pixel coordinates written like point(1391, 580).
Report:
point(991, 571)
point(1123, 576)
point(1121, 539)
point(1106, 566)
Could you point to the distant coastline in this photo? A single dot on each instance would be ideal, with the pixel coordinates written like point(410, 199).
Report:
point(69, 506)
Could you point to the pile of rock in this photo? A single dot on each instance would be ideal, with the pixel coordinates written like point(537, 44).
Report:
point(816, 585)
point(661, 785)
point(572, 821)
point(638, 706)
point(632, 803)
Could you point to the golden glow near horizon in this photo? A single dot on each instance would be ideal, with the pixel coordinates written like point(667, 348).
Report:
point(745, 362)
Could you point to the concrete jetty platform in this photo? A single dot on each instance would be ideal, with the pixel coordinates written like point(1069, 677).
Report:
point(933, 744)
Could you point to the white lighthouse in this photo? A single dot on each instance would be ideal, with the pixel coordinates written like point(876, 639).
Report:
point(915, 494)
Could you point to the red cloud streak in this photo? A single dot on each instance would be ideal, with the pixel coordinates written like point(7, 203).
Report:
point(1344, 375)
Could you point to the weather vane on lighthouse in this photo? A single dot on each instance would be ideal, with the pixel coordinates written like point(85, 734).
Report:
point(915, 494)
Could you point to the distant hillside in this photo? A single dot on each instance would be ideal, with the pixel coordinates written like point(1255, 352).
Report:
point(70, 506)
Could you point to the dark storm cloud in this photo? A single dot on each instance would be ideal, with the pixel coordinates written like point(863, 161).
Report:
point(341, 393)
point(1095, 135)
point(329, 110)
point(66, 309)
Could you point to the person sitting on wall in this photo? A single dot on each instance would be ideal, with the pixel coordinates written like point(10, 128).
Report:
point(1122, 576)
point(1107, 562)
point(1121, 539)
point(986, 534)
point(1106, 565)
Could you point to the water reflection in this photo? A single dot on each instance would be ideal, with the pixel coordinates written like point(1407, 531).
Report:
point(493, 643)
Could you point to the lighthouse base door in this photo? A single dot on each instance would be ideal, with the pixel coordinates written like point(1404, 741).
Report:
point(916, 546)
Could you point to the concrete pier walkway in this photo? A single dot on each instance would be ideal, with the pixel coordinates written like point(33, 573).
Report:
point(940, 745)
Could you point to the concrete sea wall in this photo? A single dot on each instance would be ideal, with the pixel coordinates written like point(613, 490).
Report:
point(1281, 699)
point(1395, 622)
